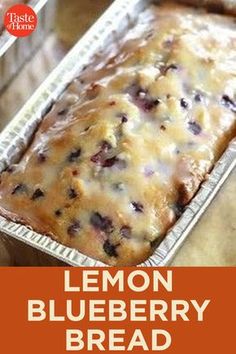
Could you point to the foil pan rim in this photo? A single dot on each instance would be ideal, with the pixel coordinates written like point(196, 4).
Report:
point(14, 139)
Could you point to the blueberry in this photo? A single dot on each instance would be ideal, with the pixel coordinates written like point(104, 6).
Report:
point(58, 212)
point(72, 193)
point(102, 223)
point(148, 105)
point(184, 103)
point(144, 101)
point(74, 155)
point(124, 119)
point(75, 173)
point(168, 43)
point(148, 171)
point(100, 159)
point(105, 145)
point(138, 207)
point(110, 249)
point(38, 193)
point(74, 228)
point(42, 157)
point(162, 127)
point(156, 102)
point(97, 158)
point(227, 100)
point(229, 103)
point(125, 231)
point(198, 97)
point(110, 162)
point(194, 127)
point(19, 188)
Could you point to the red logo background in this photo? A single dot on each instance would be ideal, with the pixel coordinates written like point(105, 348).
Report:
point(20, 20)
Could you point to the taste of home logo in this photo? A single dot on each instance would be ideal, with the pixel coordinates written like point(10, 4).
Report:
point(20, 20)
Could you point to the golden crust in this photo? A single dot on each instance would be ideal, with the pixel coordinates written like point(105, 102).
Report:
point(113, 164)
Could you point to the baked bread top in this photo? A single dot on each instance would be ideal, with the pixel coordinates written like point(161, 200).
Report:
point(118, 157)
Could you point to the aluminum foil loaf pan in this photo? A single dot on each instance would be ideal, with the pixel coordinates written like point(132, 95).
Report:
point(14, 52)
point(27, 247)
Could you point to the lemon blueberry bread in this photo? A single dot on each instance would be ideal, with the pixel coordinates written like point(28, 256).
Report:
point(118, 157)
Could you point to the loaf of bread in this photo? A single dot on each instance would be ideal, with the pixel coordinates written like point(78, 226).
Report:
point(119, 156)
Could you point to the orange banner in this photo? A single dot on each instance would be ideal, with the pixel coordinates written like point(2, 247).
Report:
point(169, 310)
